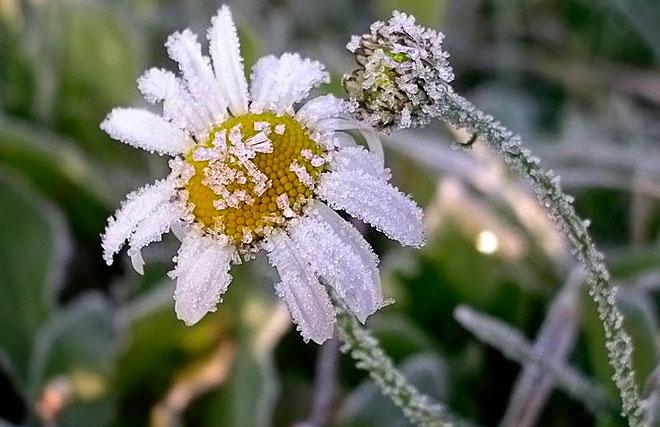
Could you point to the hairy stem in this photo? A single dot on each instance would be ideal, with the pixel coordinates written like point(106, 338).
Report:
point(459, 112)
point(365, 349)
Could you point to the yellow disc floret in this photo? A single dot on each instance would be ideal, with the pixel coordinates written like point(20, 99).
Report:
point(251, 174)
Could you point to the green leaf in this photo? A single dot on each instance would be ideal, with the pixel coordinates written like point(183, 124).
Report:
point(60, 170)
point(34, 249)
point(94, 55)
point(248, 397)
point(157, 347)
point(78, 346)
point(427, 13)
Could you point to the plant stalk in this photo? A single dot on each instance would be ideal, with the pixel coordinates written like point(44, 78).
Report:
point(460, 113)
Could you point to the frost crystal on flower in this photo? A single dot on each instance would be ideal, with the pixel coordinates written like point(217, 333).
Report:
point(402, 72)
point(249, 173)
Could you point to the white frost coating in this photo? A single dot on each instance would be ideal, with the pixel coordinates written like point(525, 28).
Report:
point(151, 230)
point(202, 274)
point(374, 200)
point(146, 130)
point(357, 158)
point(197, 72)
point(341, 139)
point(227, 61)
point(278, 83)
point(306, 298)
point(261, 80)
point(301, 172)
point(284, 205)
point(179, 107)
point(321, 108)
point(138, 205)
point(338, 253)
point(370, 136)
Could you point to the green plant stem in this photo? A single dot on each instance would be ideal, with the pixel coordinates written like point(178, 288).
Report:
point(459, 112)
point(366, 351)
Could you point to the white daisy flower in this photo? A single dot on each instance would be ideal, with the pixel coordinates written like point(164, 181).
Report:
point(249, 172)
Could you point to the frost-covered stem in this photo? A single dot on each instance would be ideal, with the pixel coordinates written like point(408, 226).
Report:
point(459, 112)
point(366, 351)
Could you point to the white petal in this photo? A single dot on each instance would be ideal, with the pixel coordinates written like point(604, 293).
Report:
point(278, 83)
point(151, 230)
point(321, 108)
point(202, 273)
point(139, 205)
point(300, 289)
point(227, 61)
point(373, 200)
point(262, 78)
point(341, 139)
point(179, 107)
point(357, 158)
point(146, 130)
point(197, 72)
point(368, 133)
point(337, 252)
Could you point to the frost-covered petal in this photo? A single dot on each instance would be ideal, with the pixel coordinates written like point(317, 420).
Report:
point(179, 107)
point(341, 140)
point(306, 298)
point(368, 133)
point(278, 83)
point(151, 230)
point(136, 208)
point(202, 274)
point(227, 61)
point(321, 108)
point(197, 72)
point(374, 200)
point(339, 253)
point(145, 130)
point(357, 158)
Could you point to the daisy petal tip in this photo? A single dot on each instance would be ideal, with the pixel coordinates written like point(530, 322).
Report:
point(188, 315)
point(137, 262)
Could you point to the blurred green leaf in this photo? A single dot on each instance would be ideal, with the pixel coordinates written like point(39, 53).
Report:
point(96, 63)
point(78, 345)
point(365, 406)
point(17, 85)
point(34, 249)
point(157, 346)
point(60, 169)
point(248, 397)
point(399, 336)
point(428, 13)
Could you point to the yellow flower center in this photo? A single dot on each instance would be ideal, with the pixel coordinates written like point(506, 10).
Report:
point(253, 173)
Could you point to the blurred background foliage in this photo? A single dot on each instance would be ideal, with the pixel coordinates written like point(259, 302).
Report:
point(83, 344)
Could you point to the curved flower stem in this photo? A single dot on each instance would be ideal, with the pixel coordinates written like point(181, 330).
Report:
point(366, 351)
point(459, 112)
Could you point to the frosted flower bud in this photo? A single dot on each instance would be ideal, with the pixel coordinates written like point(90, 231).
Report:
point(402, 72)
